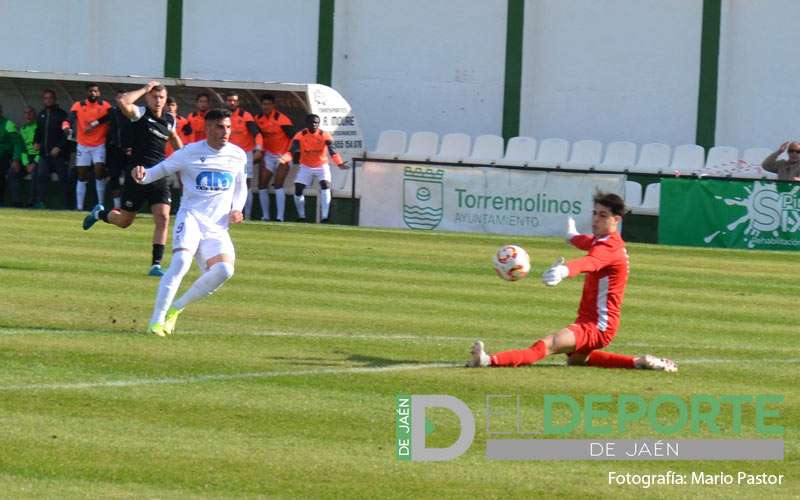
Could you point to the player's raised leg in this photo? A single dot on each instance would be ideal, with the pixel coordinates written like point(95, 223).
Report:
point(219, 269)
point(167, 288)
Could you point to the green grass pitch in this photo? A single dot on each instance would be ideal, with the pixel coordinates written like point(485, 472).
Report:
point(283, 383)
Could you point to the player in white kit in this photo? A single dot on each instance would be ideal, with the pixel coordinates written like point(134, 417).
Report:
point(214, 192)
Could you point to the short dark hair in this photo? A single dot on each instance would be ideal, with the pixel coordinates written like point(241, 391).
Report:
point(231, 93)
point(311, 116)
point(49, 91)
point(92, 84)
point(217, 114)
point(171, 100)
point(203, 94)
point(29, 108)
point(611, 201)
point(267, 97)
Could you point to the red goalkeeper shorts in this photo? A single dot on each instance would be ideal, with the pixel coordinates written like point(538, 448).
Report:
point(588, 337)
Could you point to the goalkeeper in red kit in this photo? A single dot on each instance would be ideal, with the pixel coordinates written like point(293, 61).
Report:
point(606, 267)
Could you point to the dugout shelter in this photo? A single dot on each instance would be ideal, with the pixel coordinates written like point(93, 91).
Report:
point(19, 89)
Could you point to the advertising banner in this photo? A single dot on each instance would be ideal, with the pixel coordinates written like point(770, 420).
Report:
point(731, 214)
point(478, 199)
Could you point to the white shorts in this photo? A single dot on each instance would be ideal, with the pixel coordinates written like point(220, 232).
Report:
point(87, 155)
point(271, 161)
point(204, 242)
point(249, 166)
point(307, 174)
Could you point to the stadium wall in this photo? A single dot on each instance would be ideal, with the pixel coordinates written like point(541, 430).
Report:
point(611, 70)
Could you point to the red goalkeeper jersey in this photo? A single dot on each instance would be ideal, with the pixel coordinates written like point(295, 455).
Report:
point(606, 267)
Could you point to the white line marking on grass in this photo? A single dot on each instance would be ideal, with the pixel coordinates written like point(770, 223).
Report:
point(222, 377)
point(623, 343)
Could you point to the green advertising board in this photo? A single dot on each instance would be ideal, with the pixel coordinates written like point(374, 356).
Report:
point(731, 214)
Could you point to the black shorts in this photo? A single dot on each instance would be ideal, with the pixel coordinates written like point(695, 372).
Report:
point(134, 194)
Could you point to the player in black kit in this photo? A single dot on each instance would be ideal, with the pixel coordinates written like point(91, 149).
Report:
point(150, 130)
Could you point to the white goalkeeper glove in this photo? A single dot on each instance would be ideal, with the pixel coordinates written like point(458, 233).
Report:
point(572, 231)
point(555, 273)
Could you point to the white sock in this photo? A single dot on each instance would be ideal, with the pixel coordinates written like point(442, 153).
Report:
point(248, 205)
point(300, 205)
point(169, 284)
point(117, 202)
point(325, 201)
point(263, 198)
point(280, 203)
point(100, 186)
point(80, 194)
point(206, 284)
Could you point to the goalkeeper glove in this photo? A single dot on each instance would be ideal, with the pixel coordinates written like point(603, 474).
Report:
point(572, 231)
point(555, 273)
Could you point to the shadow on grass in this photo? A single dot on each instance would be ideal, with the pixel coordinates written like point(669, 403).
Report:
point(376, 361)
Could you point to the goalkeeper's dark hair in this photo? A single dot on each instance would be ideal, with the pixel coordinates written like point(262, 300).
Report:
point(611, 201)
point(90, 85)
point(217, 114)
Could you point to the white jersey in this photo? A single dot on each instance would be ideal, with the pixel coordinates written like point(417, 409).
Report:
point(214, 181)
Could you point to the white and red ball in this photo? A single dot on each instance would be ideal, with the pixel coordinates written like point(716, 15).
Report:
point(512, 263)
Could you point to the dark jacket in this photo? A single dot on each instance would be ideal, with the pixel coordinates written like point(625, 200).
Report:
point(119, 128)
point(48, 129)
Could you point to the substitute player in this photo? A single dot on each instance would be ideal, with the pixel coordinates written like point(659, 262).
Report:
point(245, 134)
point(150, 129)
point(277, 131)
point(197, 118)
point(311, 148)
point(214, 191)
point(606, 267)
point(86, 123)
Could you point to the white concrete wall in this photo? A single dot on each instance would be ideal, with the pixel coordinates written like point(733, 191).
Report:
point(611, 70)
point(759, 98)
point(250, 40)
point(83, 36)
point(421, 64)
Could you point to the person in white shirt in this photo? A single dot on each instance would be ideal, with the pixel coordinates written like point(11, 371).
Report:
point(214, 192)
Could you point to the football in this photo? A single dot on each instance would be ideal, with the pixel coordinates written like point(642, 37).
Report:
point(512, 263)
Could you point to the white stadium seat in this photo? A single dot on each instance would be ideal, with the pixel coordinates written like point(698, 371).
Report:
point(620, 156)
point(633, 194)
point(585, 154)
point(688, 159)
point(455, 147)
point(653, 159)
point(552, 152)
point(722, 155)
point(391, 144)
point(755, 156)
point(487, 149)
point(650, 201)
point(422, 146)
point(519, 151)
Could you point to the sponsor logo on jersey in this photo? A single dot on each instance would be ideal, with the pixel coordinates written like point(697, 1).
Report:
point(214, 181)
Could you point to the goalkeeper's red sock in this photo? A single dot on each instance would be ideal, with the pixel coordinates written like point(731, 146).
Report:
point(610, 360)
point(520, 356)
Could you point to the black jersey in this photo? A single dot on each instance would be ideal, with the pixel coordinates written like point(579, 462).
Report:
point(149, 135)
